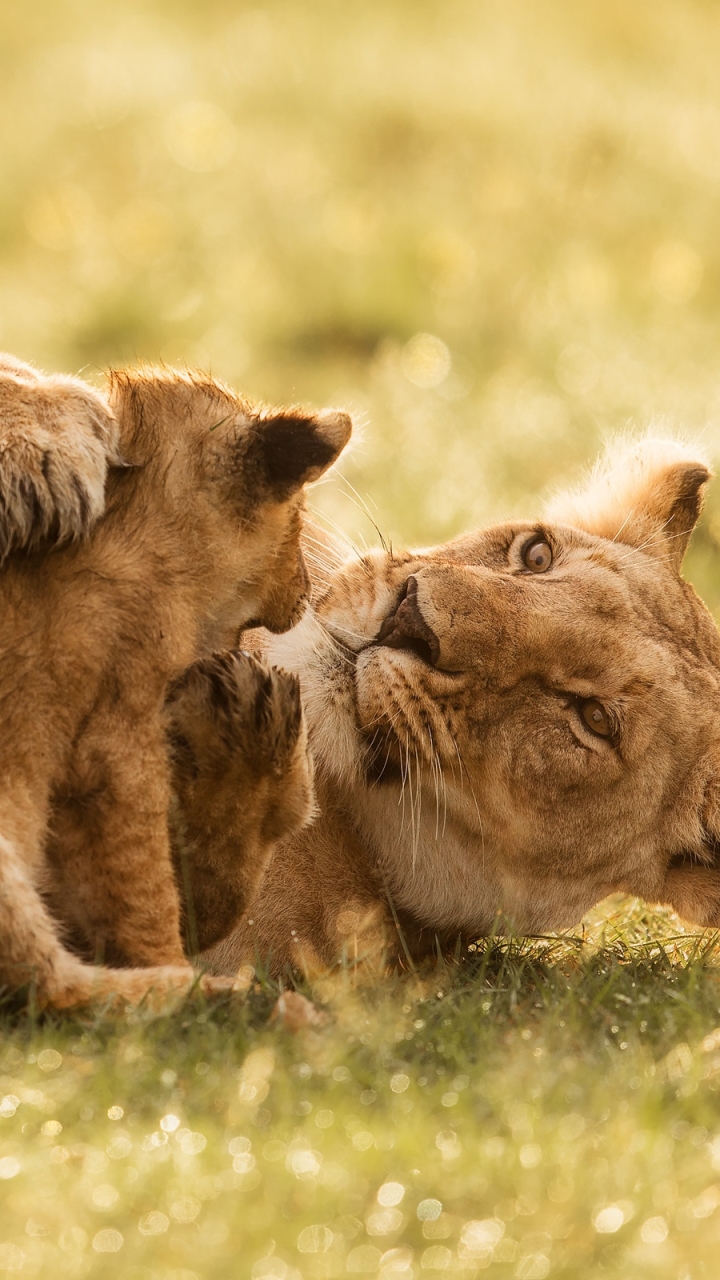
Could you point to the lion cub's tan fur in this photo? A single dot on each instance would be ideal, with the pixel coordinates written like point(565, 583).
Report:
point(200, 536)
point(460, 786)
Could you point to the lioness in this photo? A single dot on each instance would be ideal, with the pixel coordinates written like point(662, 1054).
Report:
point(505, 729)
point(200, 536)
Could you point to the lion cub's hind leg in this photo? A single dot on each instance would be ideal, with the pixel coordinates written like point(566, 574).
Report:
point(242, 780)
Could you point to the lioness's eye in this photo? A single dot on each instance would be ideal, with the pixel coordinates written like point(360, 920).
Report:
point(537, 556)
point(596, 718)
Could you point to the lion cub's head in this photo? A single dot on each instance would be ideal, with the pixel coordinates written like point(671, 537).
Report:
point(528, 718)
point(230, 476)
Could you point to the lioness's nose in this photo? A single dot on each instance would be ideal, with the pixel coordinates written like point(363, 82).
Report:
point(406, 628)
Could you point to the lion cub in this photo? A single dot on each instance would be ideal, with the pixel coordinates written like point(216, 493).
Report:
point(200, 536)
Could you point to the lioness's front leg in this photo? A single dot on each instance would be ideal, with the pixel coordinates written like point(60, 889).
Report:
point(242, 780)
point(113, 883)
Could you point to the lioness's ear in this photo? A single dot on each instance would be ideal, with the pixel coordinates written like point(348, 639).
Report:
point(647, 496)
point(294, 448)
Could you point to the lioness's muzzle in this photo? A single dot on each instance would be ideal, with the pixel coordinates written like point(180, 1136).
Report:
point(405, 627)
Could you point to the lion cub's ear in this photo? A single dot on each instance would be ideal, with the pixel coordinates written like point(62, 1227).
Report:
point(648, 496)
point(292, 448)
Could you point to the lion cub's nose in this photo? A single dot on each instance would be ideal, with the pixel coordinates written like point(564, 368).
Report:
point(405, 627)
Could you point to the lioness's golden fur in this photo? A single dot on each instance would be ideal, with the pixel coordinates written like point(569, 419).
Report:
point(450, 696)
point(200, 536)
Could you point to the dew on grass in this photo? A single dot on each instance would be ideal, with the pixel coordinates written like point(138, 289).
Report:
point(654, 1231)
point(191, 1144)
point(448, 1144)
point(315, 1239)
point(170, 1123)
point(437, 1258)
point(274, 1150)
point(105, 1196)
point(153, 1223)
point(236, 1146)
point(479, 1237)
point(397, 1262)
point(324, 1118)
point(185, 1209)
point(399, 1082)
point(608, 1220)
point(49, 1060)
point(73, 1240)
point(429, 1210)
point(107, 1241)
point(530, 1155)
point(384, 1222)
point(114, 1113)
point(363, 1258)
point(9, 1167)
point(119, 1147)
point(51, 1128)
point(8, 1106)
point(304, 1162)
point(390, 1193)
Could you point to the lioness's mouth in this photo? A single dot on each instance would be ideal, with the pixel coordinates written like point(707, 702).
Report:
point(405, 627)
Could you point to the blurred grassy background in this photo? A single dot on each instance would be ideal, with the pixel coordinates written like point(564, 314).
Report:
point(491, 230)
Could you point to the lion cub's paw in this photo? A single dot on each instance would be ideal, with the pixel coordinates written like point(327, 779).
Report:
point(237, 725)
point(230, 709)
point(57, 440)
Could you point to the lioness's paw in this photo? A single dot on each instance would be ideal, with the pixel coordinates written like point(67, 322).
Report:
point(694, 892)
point(57, 439)
point(230, 707)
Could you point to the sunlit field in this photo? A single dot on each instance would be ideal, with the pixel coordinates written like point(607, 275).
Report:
point(492, 232)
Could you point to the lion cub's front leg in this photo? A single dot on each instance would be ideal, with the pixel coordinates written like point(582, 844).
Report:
point(242, 780)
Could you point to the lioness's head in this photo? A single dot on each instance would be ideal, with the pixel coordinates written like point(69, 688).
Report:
point(528, 718)
point(232, 474)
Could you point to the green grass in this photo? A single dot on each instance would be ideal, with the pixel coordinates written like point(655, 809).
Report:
point(294, 195)
point(539, 1108)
